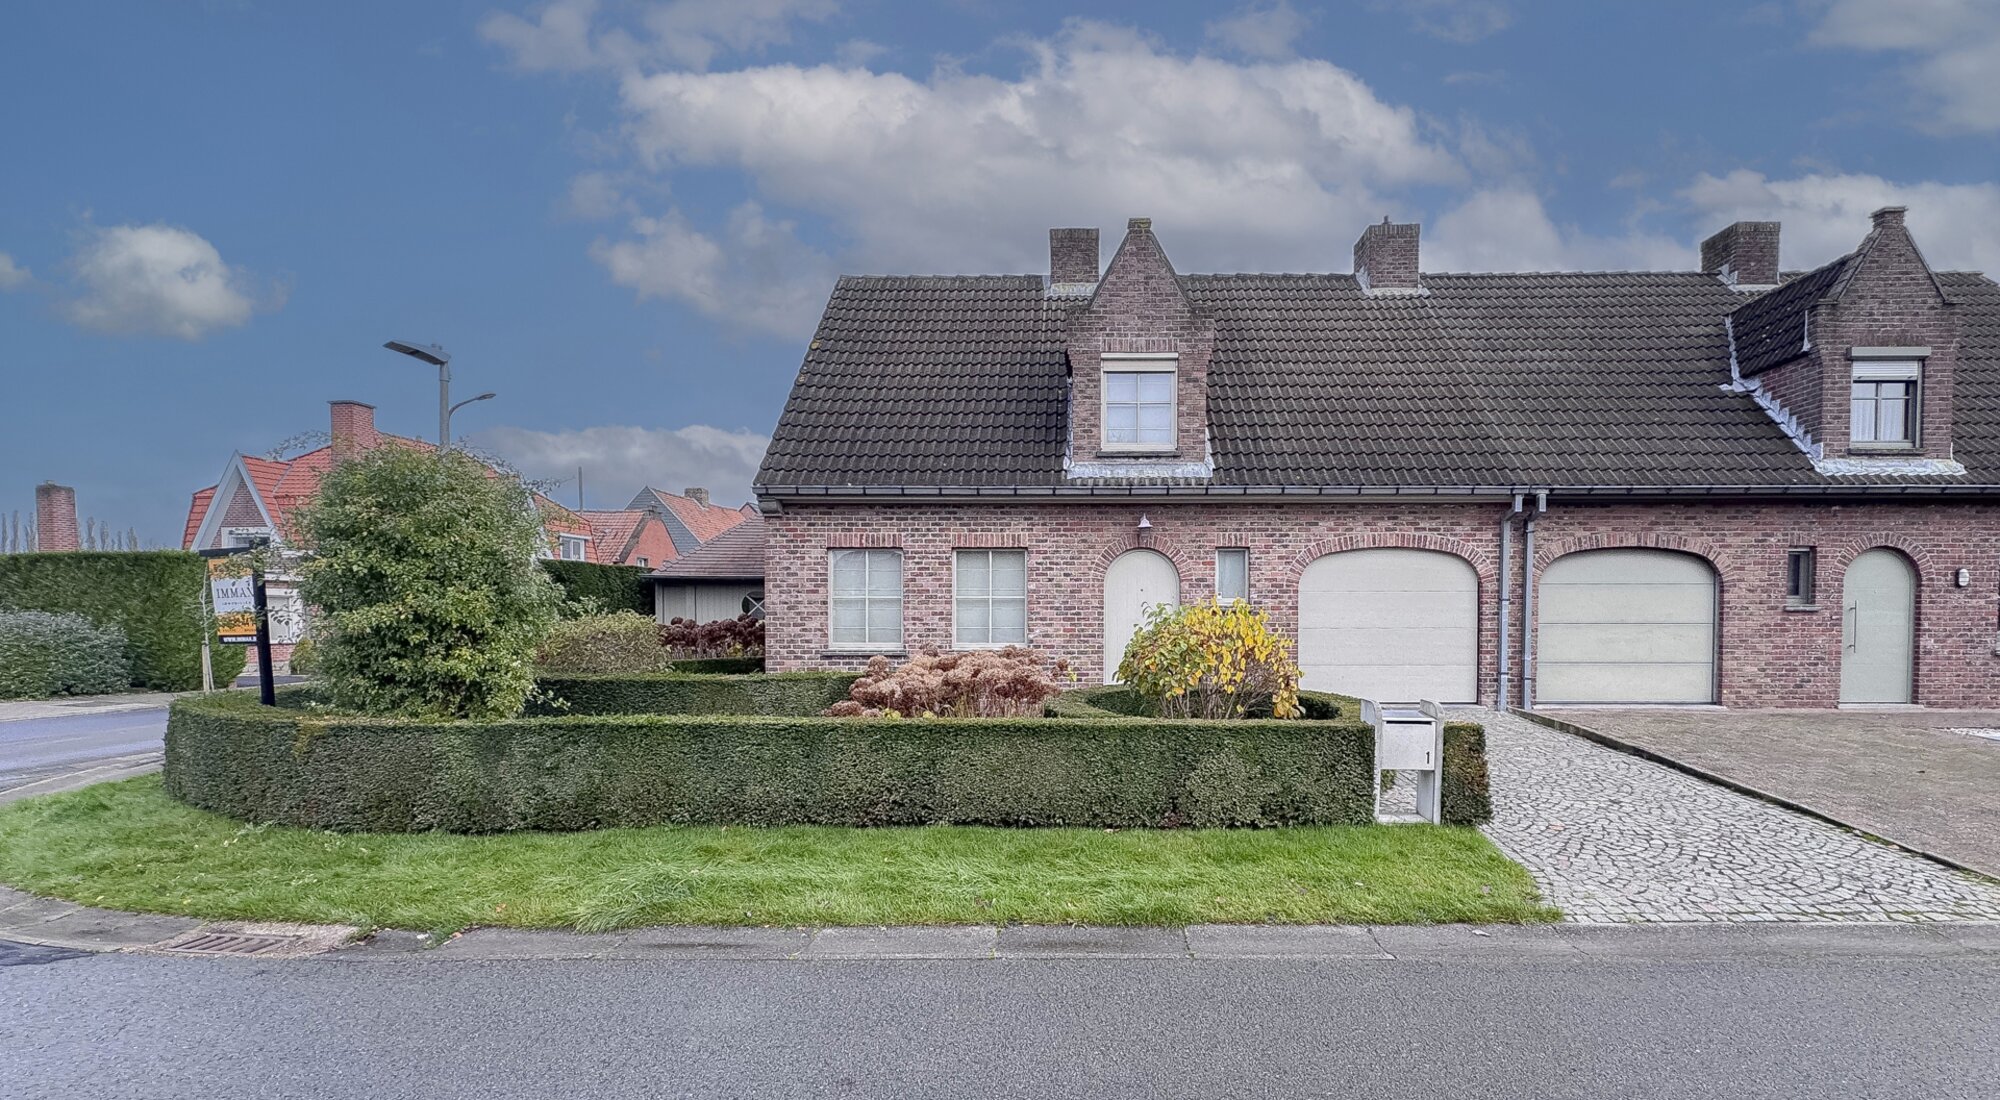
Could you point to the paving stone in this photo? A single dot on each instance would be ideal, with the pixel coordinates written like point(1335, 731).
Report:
point(1061, 941)
point(975, 942)
point(714, 943)
point(1612, 838)
point(1249, 941)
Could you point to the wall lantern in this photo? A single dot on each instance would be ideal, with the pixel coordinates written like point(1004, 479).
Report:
point(1147, 525)
point(1963, 578)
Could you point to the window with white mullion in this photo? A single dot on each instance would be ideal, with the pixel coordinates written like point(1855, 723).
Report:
point(1139, 406)
point(991, 591)
point(1882, 405)
point(865, 600)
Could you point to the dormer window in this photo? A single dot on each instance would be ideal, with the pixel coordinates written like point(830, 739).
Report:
point(1883, 405)
point(1139, 405)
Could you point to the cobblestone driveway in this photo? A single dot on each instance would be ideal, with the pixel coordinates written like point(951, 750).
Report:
point(1612, 838)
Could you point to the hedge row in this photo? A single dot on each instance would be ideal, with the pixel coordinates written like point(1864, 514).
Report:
point(720, 666)
point(789, 694)
point(226, 754)
point(614, 587)
point(1466, 794)
point(152, 595)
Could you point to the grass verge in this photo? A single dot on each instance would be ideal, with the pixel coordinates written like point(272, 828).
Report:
point(128, 846)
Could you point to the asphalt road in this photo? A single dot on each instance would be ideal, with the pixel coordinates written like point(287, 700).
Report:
point(134, 1026)
point(36, 748)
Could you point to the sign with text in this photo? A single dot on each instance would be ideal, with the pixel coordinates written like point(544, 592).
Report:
point(234, 599)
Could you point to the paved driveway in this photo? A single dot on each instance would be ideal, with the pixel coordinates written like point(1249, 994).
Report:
point(1904, 775)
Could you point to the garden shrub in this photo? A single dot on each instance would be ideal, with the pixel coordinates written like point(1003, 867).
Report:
point(621, 642)
point(61, 653)
point(1119, 699)
point(1004, 683)
point(742, 636)
point(601, 588)
point(1212, 660)
point(226, 754)
point(788, 693)
point(431, 599)
point(305, 657)
point(153, 596)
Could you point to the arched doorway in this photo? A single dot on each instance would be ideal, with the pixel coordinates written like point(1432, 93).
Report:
point(1878, 614)
point(1626, 626)
point(1136, 581)
point(1390, 624)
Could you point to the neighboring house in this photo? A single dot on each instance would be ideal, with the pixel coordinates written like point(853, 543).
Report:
point(255, 498)
point(1724, 486)
point(628, 536)
point(721, 579)
point(689, 517)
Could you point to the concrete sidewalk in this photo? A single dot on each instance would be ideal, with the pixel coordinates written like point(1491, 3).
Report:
point(16, 710)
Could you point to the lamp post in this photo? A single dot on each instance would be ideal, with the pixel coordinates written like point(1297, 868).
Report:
point(438, 357)
point(448, 412)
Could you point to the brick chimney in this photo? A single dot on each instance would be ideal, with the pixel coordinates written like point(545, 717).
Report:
point(697, 494)
point(1385, 258)
point(353, 429)
point(1072, 259)
point(1888, 215)
point(1744, 255)
point(55, 517)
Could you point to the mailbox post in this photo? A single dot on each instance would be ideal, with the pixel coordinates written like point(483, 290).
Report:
point(1408, 739)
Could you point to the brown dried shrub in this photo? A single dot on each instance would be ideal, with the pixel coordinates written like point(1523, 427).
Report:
point(742, 636)
point(1004, 683)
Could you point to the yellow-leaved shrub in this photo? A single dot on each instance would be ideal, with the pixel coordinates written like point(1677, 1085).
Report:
point(1212, 660)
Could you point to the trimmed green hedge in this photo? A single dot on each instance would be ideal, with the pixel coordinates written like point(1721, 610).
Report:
point(788, 694)
point(152, 595)
point(227, 754)
point(44, 653)
point(1466, 796)
point(614, 587)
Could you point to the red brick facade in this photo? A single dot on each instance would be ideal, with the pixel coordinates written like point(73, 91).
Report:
point(1769, 656)
point(1139, 309)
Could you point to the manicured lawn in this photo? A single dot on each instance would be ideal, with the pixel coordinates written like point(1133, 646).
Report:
point(128, 846)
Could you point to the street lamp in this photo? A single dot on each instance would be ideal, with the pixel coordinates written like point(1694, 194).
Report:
point(438, 357)
point(448, 412)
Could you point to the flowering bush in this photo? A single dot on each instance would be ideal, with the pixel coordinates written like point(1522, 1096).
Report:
point(742, 636)
point(623, 641)
point(1211, 660)
point(1005, 683)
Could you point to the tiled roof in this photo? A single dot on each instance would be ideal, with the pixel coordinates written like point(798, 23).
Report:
point(613, 532)
point(1771, 328)
point(736, 554)
point(197, 510)
point(690, 523)
point(1524, 380)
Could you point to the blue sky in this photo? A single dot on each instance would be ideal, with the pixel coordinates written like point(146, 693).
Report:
point(623, 216)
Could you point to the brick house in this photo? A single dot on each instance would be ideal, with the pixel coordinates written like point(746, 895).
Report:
point(1734, 485)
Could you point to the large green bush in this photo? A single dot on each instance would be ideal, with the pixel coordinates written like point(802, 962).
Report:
point(616, 643)
point(603, 587)
point(228, 755)
point(784, 694)
point(62, 653)
point(431, 599)
point(153, 596)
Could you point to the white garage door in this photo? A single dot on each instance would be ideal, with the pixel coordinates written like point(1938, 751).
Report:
point(1626, 626)
point(1392, 624)
point(1136, 581)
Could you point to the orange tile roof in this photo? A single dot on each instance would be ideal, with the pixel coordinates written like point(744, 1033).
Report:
point(703, 521)
point(197, 509)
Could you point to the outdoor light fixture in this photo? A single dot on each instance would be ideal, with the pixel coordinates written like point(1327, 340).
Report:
point(435, 355)
point(448, 413)
point(1145, 524)
point(1964, 577)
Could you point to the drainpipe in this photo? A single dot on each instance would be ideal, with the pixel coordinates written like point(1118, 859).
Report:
point(1528, 603)
point(1506, 592)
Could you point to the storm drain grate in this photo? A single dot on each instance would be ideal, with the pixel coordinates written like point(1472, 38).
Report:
point(227, 943)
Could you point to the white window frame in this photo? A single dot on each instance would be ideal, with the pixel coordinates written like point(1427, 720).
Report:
point(867, 645)
point(956, 557)
point(1167, 363)
point(564, 542)
point(1907, 372)
point(1220, 553)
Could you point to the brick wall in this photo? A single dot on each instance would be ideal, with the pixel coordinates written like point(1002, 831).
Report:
point(654, 544)
point(55, 518)
point(1139, 308)
point(1771, 657)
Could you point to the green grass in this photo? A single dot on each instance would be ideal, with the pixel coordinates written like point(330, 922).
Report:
point(128, 846)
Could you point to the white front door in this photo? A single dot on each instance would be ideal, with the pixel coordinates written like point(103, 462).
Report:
point(1878, 603)
point(1136, 581)
point(1392, 625)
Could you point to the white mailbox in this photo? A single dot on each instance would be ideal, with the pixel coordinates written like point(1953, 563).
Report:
point(1408, 739)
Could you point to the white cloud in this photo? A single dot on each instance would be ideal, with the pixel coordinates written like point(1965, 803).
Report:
point(1954, 49)
point(619, 461)
point(1263, 32)
point(1458, 21)
point(563, 36)
point(159, 280)
point(1956, 224)
point(12, 275)
point(756, 274)
point(1508, 230)
point(595, 196)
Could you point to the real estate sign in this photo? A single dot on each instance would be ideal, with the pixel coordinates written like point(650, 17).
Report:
point(234, 599)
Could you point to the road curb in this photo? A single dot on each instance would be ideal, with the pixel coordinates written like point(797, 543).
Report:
point(1739, 786)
